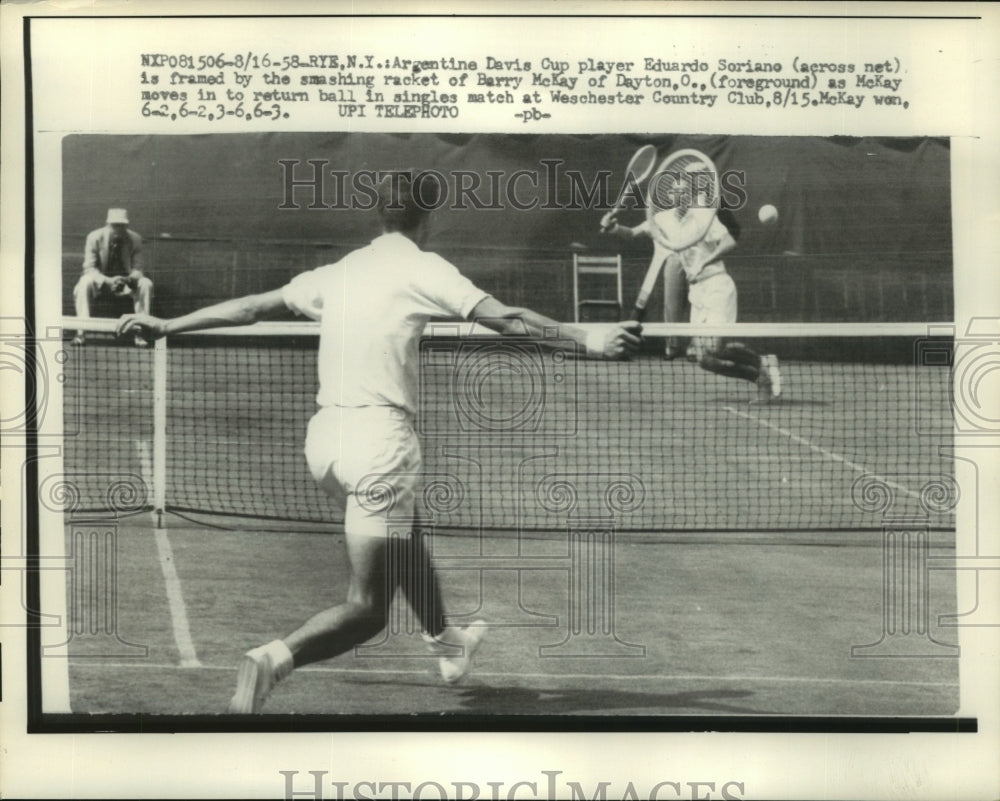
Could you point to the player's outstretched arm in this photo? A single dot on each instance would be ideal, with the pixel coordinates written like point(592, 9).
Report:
point(619, 341)
point(239, 311)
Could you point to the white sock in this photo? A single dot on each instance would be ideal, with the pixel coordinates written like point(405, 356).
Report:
point(281, 658)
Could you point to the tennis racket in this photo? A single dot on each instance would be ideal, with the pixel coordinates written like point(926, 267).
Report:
point(683, 199)
point(639, 168)
point(649, 282)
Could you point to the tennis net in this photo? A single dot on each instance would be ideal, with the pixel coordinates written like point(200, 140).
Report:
point(516, 436)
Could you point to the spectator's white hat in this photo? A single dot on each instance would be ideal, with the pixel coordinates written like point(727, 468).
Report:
point(117, 217)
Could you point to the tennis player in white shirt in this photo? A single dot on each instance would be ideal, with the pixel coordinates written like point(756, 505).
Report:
point(361, 445)
point(713, 298)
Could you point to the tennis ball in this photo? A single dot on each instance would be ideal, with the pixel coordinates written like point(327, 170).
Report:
point(768, 214)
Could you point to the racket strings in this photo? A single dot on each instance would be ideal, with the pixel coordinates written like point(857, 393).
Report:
point(682, 199)
point(680, 182)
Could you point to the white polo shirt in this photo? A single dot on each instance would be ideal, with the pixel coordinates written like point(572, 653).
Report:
point(372, 306)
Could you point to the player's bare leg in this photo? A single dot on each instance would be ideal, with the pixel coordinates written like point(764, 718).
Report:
point(84, 293)
point(736, 360)
point(419, 582)
point(326, 634)
point(363, 614)
point(360, 617)
point(453, 646)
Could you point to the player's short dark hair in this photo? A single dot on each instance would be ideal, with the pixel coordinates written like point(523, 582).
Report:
point(405, 197)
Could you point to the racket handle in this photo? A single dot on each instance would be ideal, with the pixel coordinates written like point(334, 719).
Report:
point(638, 314)
point(653, 273)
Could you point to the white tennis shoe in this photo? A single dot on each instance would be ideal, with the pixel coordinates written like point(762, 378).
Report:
point(258, 675)
point(456, 647)
point(768, 380)
point(769, 364)
point(763, 384)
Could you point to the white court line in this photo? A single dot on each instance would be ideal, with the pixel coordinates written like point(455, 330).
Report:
point(178, 612)
point(511, 676)
point(858, 468)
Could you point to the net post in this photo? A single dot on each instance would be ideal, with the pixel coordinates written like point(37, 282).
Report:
point(159, 428)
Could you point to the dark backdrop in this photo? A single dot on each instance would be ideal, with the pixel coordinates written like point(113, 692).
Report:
point(864, 233)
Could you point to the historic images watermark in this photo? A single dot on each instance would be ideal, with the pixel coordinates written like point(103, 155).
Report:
point(318, 784)
point(909, 502)
point(549, 186)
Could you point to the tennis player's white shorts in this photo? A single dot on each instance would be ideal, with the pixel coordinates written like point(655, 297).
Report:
point(368, 458)
point(713, 301)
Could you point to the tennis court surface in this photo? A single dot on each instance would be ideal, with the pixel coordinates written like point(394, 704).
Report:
point(640, 538)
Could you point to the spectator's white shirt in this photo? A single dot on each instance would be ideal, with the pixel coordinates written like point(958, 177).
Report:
point(372, 306)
